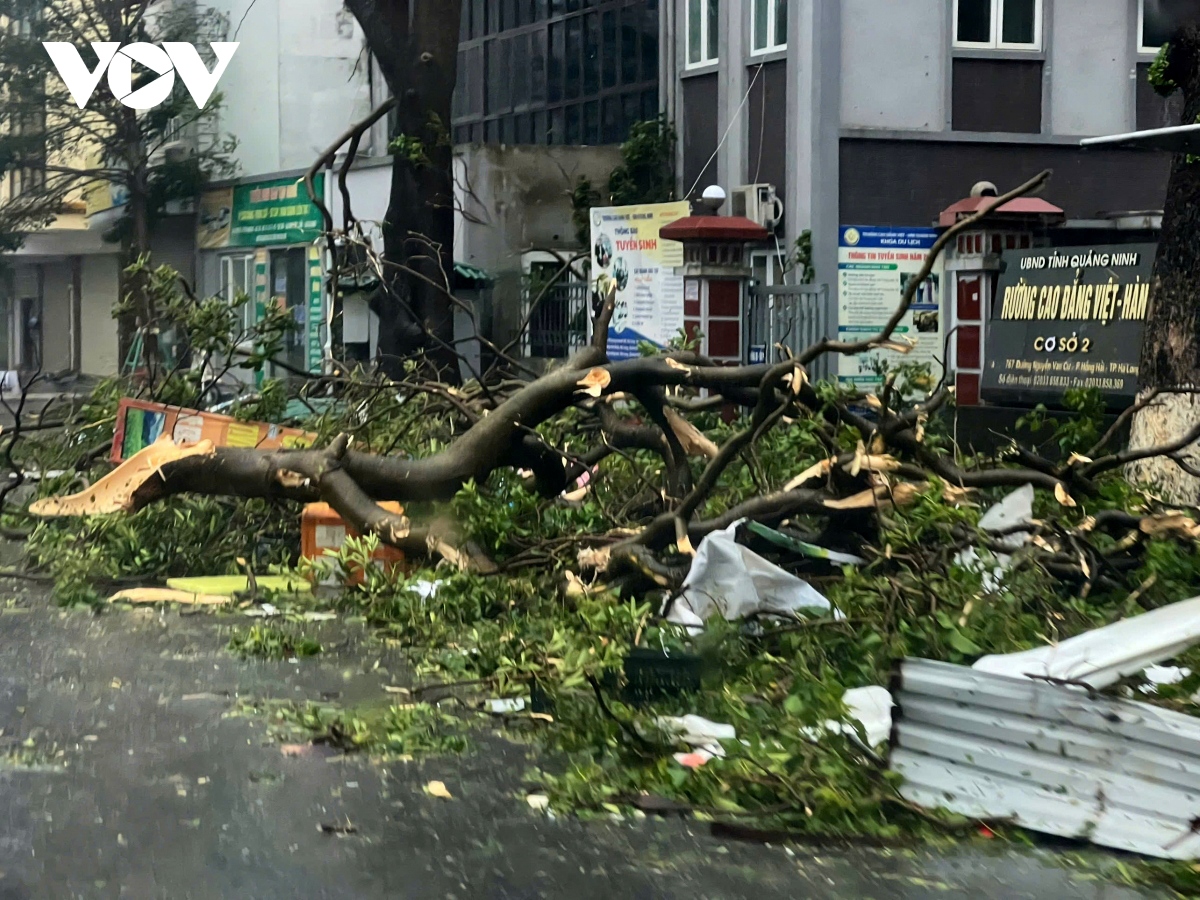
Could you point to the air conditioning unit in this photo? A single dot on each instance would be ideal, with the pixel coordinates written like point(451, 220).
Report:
point(178, 150)
point(758, 203)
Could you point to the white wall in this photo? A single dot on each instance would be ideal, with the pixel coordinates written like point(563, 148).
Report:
point(1091, 61)
point(97, 326)
point(893, 64)
point(293, 86)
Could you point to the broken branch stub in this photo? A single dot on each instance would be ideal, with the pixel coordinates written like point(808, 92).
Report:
point(115, 491)
point(691, 438)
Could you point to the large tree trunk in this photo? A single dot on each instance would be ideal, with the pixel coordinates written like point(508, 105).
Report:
point(1171, 344)
point(415, 43)
point(136, 244)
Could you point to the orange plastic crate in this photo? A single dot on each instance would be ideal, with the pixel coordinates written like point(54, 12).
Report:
point(321, 529)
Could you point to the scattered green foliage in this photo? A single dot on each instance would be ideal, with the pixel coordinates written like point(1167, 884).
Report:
point(268, 642)
point(192, 535)
point(414, 729)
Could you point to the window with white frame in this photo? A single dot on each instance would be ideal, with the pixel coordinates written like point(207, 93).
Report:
point(237, 277)
point(702, 31)
point(769, 31)
point(998, 24)
point(1158, 18)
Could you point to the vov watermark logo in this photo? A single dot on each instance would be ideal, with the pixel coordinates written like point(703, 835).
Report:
point(171, 57)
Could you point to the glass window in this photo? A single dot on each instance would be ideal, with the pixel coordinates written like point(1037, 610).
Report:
point(237, 277)
point(591, 53)
point(574, 48)
point(649, 45)
point(702, 31)
point(998, 24)
point(631, 110)
point(610, 114)
point(769, 25)
point(1157, 19)
point(973, 22)
point(537, 67)
point(497, 72)
point(520, 70)
point(573, 126)
point(714, 28)
point(1018, 23)
point(608, 49)
point(591, 122)
point(629, 45)
point(478, 18)
point(556, 63)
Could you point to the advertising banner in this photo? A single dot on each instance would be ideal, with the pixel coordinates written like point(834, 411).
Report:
point(1067, 317)
point(875, 265)
point(140, 423)
point(216, 217)
point(265, 212)
point(627, 251)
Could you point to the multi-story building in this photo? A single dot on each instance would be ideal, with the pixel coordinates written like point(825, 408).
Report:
point(885, 112)
point(547, 89)
point(563, 72)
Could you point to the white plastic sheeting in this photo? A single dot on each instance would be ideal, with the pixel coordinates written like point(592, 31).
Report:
point(702, 735)
point(736, 582)
point(1015, 509)
point(1050, 758)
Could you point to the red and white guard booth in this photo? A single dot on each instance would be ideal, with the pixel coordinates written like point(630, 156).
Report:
point(972, 267)
point(716, 277)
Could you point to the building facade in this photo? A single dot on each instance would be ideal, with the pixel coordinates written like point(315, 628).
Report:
point(547, 90)
point(556, 71)
point(863, 112)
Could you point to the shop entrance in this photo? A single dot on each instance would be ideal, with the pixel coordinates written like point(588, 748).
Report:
point(289, 291)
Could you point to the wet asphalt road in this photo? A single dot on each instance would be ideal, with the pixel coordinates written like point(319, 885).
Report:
point(164, 795)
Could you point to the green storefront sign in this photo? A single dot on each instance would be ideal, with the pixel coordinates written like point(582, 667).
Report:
point(275, 212)
point(316, 311)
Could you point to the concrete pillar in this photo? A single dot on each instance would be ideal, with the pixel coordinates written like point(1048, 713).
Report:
point(813, 128)
point(732, 116)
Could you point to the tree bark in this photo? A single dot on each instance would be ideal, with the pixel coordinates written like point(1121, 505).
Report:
point(415, 43)
point(1171, 342)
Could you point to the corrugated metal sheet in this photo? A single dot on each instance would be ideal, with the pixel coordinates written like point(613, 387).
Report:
point(1048, 757)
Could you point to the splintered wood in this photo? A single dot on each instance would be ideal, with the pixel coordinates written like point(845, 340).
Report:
point(114, 492)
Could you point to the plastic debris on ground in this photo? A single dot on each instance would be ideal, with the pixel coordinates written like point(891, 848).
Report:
point(701, 734)
point(804, 548)
point(424, 589)
point(228, 585)
point(1014, 510)
point(502, 706)
point(1048, 757)
point(870, 706)
point(1104, 656)
point(733, 580)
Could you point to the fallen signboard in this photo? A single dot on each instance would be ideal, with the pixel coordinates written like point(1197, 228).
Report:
point(140, 423)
